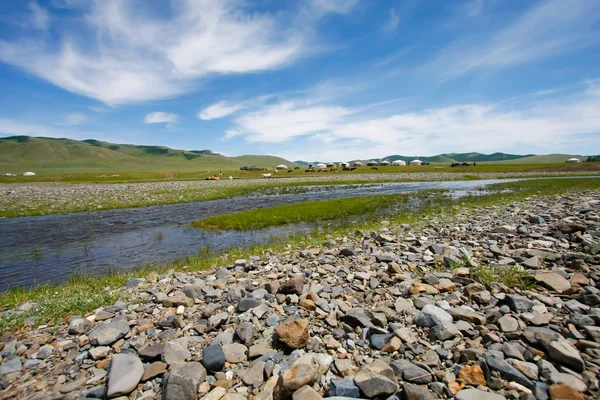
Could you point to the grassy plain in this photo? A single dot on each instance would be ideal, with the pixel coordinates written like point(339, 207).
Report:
point(84, 293)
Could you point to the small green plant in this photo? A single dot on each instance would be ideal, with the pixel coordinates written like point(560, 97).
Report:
point(510, 276)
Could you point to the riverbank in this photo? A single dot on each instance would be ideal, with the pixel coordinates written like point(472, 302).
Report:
point(43, 198)
point(489, 294)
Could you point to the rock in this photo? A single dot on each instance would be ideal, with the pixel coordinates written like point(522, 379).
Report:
point(79, 326)
point(73, 385)
point(125, 372)
point(213, 358)
point(553, 281)
point(562, 352)
point(345, 367)
point(431, 315)
point(175, 353)
point(248, 303)
point(245, 331)
point(346, 252)
point(215, 394)
point(183, 381)
point(358, 317)
point(393, 345)
point(108, 332)
point(475, 394)
point(376, 379)
point(235, 352)
point(153, 370)
point(562, 391)
point(343, 388)
point(293, 286)
point(468, 315)
point(294, 333)
point(152, 353)
point(45, 351)
point(506, 370)
point(306, 393)
point(444, 332)
point(472, 375)
point(518, 303)
point(416, 392)
point(378, 340)
point(178, 300)
point(299, 375)
point(508, 324)
point(254, 376)
point(97, 353)
point(11, 365)
point(410, 372)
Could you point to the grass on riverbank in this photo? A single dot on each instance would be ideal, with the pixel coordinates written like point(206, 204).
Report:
point(313, 211)
point(83, 294)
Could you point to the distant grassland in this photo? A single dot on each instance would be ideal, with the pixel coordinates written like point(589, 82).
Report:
point(82, 174)
point(304, 212)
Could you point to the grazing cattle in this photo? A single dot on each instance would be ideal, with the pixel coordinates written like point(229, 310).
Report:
point(333, 170)
point(455, 164)
point(266, 175)
point(465, 164)
point(353, 169)
point(289, 170)
point(297, 168)
point(310, 170)
point(375, 168)
point(346, 169)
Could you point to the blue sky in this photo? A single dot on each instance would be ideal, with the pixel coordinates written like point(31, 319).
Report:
point(310, 79)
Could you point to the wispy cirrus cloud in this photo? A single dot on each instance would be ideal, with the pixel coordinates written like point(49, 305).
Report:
point(120, 55)
point(338, 133)
point(220, 110)
point(392, 22)
point(160, 117)
point(549, 28)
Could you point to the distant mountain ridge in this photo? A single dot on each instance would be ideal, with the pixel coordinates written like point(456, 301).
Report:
point(25, 153)
point(471, 157)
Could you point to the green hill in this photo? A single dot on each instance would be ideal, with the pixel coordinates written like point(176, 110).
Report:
point(47, 155)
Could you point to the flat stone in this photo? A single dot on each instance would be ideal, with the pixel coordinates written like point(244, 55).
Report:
point(468, 315)
point(562, 352)
point(152, 353)
point(376, 379)
point(245, 331)
point(108, 332)
point(99, 352)
point(11, 365)
point(175, 353)
point(293, 286)
point(553, 281)
point(79, 326)
point(431, 316)
point(126, 371)
point(508, 324)
point(235, 352)
point(153, 370)
point(255, 375)
point(476, 394)
point(73, 385)
point(343, 388)
point(416, 392)
point(183, 381)
point(178, 300)
point(306, 393)
point(472, 375)
point(248, 303)
point(562, 391)
point(358, 317)
point(506, 370)
point(299, 375)
point(410, 372)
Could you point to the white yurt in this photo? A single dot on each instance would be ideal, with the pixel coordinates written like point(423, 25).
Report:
point(416, 162)
point(384, 163)
point(399, 163)
point(281, 166)
point(573, 160)
point(358, 164)
point(321, 165)
point(29, 174)
point(344, 165)
point(331, 165)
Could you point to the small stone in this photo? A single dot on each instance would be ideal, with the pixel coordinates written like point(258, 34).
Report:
point(293, 286)
point(306, 393)
point(183, 381)
point(294, 333)
point(416, 392)
point(472, 375)
point(97, 353)
point(175, 353)
point(376, 379)
point(553, 281)
point(152, 353)
point(153, 370)
point(245, 331)
point(79, 326)
point(248, 303)
point(213, 358)
point(298, 376)
point(235, 352)
point(45, 351)
point(410, 372)
point(476, 394)
point(124, 374)
point(11, 365)
point(345, 388)
point(508, 324)
point(178, 300)
point(432, 315)
point(108, 333)
point(254, 376)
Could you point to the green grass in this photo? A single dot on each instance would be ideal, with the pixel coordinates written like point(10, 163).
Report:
point(83, 293)
point(510, 276)
point(324, 210)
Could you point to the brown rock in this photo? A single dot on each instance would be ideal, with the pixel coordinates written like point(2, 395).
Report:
point(298, 376)
point(419, 287)
point(553, 281)
point(153, 370)
point(562, 391)
point(178, 300)
point(152, 277)
point(272, 287)
point(294, 333)
point(292, 286)
point(393, 345)
point(308, 304)
point(471, 375)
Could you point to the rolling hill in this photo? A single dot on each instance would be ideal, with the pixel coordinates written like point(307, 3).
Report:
point(24, 153)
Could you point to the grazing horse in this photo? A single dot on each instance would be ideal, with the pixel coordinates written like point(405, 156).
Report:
point(310, 170)
point(333, 170)
point(455, 164)
point(297, 168)
point(353, 169)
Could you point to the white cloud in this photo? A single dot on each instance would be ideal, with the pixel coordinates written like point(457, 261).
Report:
point(219, 110)
point(392, 23)
point(335, 6)
point(160, 117)
point(475, 7)
point(123, 55)
point(338, 133)
point(73, 119)
point(40, 19)
point(548, 29)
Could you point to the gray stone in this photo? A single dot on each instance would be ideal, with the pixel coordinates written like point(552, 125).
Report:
point(125, 372)
point(476, 394)
point(245, 331)
point(254, 376)
point(108, 333)
point(508, 324)
point(444, 332)
point(11, 365)
point(175, 353)
point(416, 392)
point(248, 303)
point(411, 372)
point(79, 326)
point(431, 316)
point(562, 352)
point(506, 370)
point(379, 340)
point(183, 381)
point(213, 358)
point(343, 388)
point(235, 352)
point(45, 351)
point(358, 317)
point(376, 379)
point(518, 303)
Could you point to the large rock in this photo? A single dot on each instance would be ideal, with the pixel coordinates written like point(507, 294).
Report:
point(562, 352)
point(299, 375)
point(343, 388)
point(431, 316)
point(108, 333)
point(376, 379)
point(416, 392)
point(553, 281)
point(506, 370)
point(10, 366)
point(126, 371)
point(410, 372)
point(358, 317)
point(294, 333)
point(175, 352)
point(79, 326)
point(183, 381)
point(213, 358)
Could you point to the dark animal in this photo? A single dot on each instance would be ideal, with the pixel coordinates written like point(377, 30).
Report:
point(455, 164)
point(375, 168)
point(333, 170)
point(310, 170)
point(289, 170)
point(297, 168)
point(346, 169)
point(465, 164)
point(353, 169)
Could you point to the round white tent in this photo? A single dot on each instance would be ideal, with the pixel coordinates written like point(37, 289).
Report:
point(573, 160)
point(320, 165)
point(344, 164)
point(416, 162)
point(398, 163)
point(29, 174)
point(384, 163)
point(358, 164)
point(281, 166)
point(372, 163)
